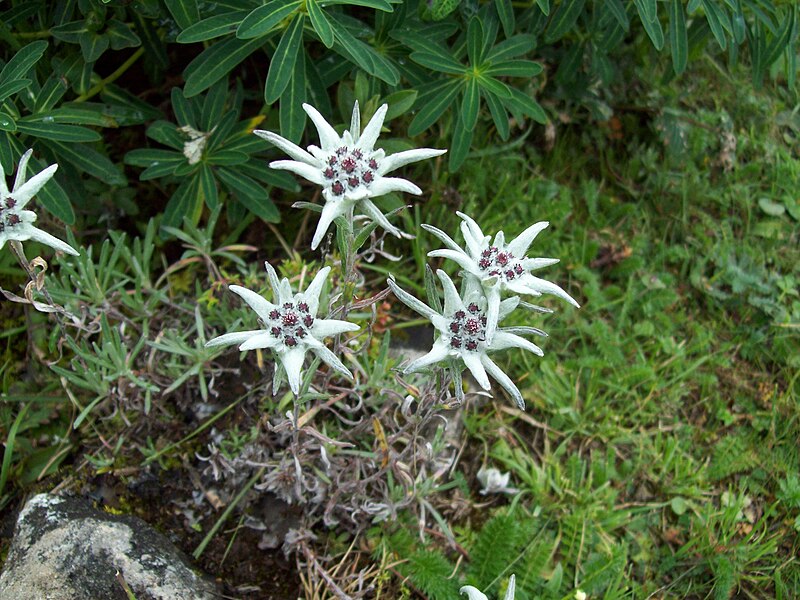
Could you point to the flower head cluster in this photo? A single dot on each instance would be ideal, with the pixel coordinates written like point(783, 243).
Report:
point(499, 266)
point(467, 328)
point(474, 593)
point(16, 224)
point(348, 167)
point(290, 326)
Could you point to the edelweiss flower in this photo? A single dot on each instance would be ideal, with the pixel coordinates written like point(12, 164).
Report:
point(499, 266)
point(475, 594)
point(16, 224)
point(495, 482)
point(290, 326)
point(462, 334)
point(348, 168)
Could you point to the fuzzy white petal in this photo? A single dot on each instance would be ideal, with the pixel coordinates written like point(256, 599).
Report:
point(257, 302)
point(328, 138)
point(492, 310)
point(366, 142)
point(400, 159)
point(274, 282)
point(547, 287)
point(443, 237)
point(369, 207)
point(472, 592)
point(504, 380)
point(473, 362)
point(460, 257)
point(29, 189)
point(384, 185)
point(262, 340)
point(452, 301)
point(531, 264)
point(503, 340)
point(43, 237)
point(314, 289)
point(22, 169)
point(410, 301)
point(520, 244)
point(438, 353)
point(511, 589)
point(292, 361)
point(355, 122)
point(292, 149)
point(309, 172)
point(236, 337)
point(323, 328)
point(331, 359)
point(330, 211)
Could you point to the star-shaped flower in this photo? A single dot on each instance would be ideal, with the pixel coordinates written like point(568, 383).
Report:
point(462, 334)
point(495, 482)
point(16, 224)
point(475, 594)
point(348, 167)
point(290, 326)
point(499, 266)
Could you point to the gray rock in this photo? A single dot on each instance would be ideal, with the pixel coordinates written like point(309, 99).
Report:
point(64, 549)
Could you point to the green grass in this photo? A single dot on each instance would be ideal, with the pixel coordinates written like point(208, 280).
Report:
point(669, 466)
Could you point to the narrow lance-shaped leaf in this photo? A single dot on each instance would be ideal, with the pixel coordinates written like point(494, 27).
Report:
point(679, 44)
point(216, 62)
point(563, 20)
point(320, 23)
point(264, 18)
point(184, 12)
point(282, 64)
point(292, 117)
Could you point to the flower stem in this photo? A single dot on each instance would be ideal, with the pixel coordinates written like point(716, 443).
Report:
point(19, 252)
point(298, 484)
point(96, 89)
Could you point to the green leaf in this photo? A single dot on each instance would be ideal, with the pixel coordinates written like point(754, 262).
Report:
point(438, 62)
point(648, 11)
point(563, 20)
point(186, 202)
point(363, 235)
point(717, 17)
point(617, 8)
point(166, 133)
point(208, 187)
point(363, 54)
point(526, 105)
point(652, 27)
point(505, 10)
point(773, 209)
point(475, 41)
point(157, 163)
point(184, 12)
point(678, 40)
point(499, 115)
point(515, 68)
point(93, 45)
point(228, 157)
point(430, 290)
point(250, 194)
point(491, 86)
point(57, 132)
point(22, 61)
point(184, 110)
point(511, 48)
point(678, 505)
point(90, 161)
point(9, 88)
point(52, 91)
point(292, 117)
point(265, 18)
point(432, 105)
point(7, 122)
point(544, 6)
point(781, 41)
point(399, 103)
point(121, 36)
point(281, 65)
point(470, 104)
point(212, 27)
point(462, 139)
point(320, 23)
point(216, 62)
point(383, 5)
point(213, 105)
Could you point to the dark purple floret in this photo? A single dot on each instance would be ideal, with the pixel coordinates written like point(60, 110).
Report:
point(303, 307)
point(275, 330)
point(10, 202)
point(290, 319)
point(460, 314)
point(300, 332)
point(14, 219)
point(472, 326)
point(329, 173)
point(455, 327)
point(473, 308)
point(290, 341)
point(308, 320)
point(472, 345)
point(373, 164)
point(455, 342)
point(368, 177)
point(337, 188)
point(349, 165)
point(274, 314)
point(518, 269)
point(353, 182)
